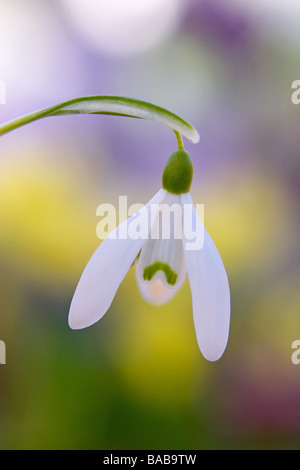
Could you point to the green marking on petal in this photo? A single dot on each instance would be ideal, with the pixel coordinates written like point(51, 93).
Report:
point(150, 271)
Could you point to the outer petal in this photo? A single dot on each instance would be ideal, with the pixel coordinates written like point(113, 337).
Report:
point(104, 273)
point(210, 293)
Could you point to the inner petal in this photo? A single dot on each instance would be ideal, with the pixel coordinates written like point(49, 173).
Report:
point(161, 259)
point(162, 255)
point(155, 292)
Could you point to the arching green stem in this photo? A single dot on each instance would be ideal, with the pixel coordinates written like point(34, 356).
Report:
point(112, 105)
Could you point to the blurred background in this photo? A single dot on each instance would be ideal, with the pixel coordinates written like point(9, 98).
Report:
point(136, 379)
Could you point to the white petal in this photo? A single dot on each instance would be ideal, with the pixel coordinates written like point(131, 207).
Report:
point(156, 292)
point(104, 273)
point(164, 249)
point(210, 294)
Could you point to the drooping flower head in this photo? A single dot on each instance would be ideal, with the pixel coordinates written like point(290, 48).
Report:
point(167, 242)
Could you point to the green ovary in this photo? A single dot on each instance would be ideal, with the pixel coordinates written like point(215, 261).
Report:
point(150, 271)
point(178, 173)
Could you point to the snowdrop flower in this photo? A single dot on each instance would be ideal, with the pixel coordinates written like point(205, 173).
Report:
point(163, 261)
